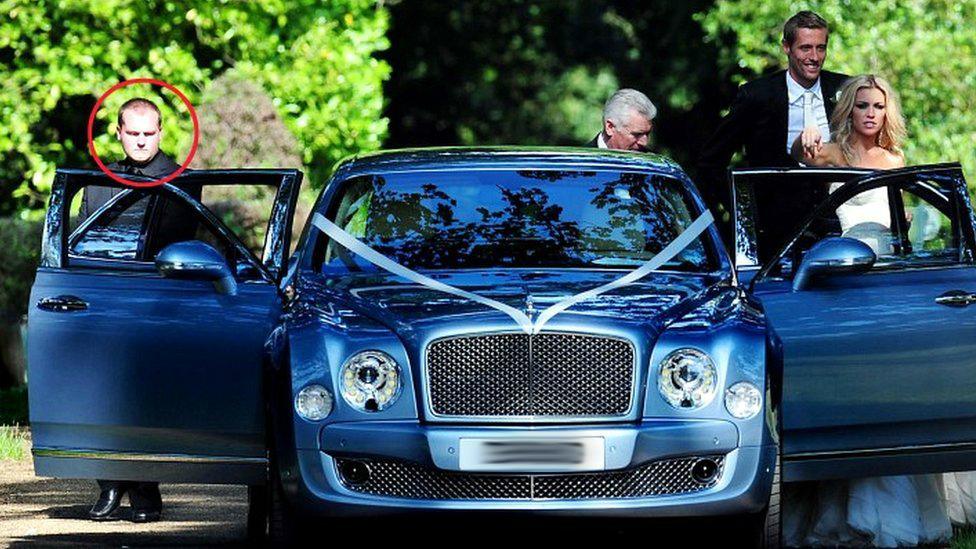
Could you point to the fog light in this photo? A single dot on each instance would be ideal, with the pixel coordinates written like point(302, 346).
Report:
point(743, 400)
point(313, 403)
point(354, 472)
point(704, 471)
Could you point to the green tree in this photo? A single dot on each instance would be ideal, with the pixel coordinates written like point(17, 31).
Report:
point(925, 48)
point(537, 73)
point(315, 60)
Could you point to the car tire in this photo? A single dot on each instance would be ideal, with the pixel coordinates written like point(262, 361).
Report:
point(772, 524)
point(766, 529)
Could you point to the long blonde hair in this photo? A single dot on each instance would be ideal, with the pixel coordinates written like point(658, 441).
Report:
point(892, 133)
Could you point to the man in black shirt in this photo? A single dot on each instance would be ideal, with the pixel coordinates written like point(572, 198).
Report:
point(139, 131)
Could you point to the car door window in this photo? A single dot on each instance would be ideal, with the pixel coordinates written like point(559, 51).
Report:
point(771, 206)
point(133, 230)
point(911, 222)
point(116, 233)
point(244, 209)
point(933, 234)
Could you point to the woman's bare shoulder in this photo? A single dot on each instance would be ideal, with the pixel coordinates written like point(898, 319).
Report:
point(881, 159)
point(893, 160)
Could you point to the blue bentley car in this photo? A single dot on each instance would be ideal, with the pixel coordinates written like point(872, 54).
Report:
point(552, 331)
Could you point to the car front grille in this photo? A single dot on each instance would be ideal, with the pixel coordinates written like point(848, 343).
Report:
point(521, 375)
point(407, 480)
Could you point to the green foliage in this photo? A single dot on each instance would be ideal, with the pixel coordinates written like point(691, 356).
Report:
point(13, 443)
point(538, 73)
point(315, 59)
point(20, 244)
point(926, 48)
point(240, 127)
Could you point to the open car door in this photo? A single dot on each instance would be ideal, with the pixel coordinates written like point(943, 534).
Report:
point(139, 376)
point(879, 356)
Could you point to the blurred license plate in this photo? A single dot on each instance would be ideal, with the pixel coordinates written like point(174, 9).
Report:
point(542, 455)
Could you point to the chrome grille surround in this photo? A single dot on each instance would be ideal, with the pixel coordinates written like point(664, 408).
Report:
point(516, 376)
point(406, 480)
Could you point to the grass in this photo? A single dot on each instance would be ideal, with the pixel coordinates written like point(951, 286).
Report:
point(13, 442)
point(13, 423)
point(964, 538)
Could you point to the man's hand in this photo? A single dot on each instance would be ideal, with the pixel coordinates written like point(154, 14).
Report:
point(811, 141)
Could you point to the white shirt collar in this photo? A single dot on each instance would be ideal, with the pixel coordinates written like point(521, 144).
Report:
point(795, 90)
point(600, 143)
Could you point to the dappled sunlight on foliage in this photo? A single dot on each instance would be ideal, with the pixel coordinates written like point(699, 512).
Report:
point(925, 48)
point(314, 59)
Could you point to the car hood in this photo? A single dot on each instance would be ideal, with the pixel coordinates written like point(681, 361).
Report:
point(406, 306)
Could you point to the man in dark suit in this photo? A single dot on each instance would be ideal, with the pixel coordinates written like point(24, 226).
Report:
point(140, 131)
point(770, 112)
point(628, 118)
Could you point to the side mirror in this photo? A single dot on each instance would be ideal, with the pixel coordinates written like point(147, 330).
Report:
point(833, 255)
point(196, 260)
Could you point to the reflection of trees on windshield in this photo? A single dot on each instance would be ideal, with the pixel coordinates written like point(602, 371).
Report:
point(646, 216)
point(622, 220)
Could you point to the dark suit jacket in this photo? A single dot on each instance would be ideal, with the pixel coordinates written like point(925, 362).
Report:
point(593, 142)
point(758, 120)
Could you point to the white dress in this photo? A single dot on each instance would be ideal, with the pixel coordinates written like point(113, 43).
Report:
point(867, 217)
point(895, 511)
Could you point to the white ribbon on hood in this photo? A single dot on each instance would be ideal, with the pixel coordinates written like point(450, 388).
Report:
point(676, 246)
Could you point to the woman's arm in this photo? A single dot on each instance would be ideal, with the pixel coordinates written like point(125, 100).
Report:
point(810, 150)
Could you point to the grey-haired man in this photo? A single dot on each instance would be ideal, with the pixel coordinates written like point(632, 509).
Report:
point(628, 118)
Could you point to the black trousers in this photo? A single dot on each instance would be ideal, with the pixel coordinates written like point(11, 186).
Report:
point(143, 496)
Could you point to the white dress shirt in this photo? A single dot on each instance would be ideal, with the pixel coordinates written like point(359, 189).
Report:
point(600, 143)
point(803, 104)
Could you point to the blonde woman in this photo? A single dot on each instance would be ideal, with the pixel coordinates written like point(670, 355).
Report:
point(867, 127)
point(868, 131)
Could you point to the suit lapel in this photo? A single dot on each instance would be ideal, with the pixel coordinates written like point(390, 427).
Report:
point(781, 108)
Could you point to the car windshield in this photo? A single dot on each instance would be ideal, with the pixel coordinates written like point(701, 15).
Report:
point(522, 219)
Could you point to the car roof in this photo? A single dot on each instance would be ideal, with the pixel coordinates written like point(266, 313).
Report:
point(452, 158)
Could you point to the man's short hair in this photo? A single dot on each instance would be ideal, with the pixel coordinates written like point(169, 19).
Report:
point(625, 100)
point(802, 20)
point(139, 104)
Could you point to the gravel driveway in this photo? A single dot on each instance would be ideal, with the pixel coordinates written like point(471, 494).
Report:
point(54, 513)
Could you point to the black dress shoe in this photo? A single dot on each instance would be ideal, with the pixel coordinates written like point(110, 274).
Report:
point(145, 515)
point(108, 502)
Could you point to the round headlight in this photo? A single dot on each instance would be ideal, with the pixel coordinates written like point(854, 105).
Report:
point(370, 381)
point(687, 379)
point(743, 400)
point(313, 403)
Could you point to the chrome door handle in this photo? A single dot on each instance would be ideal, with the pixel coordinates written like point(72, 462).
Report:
point(62, 304)
point(956, 298)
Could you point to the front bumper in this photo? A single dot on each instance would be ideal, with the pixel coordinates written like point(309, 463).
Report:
point(315, 485)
